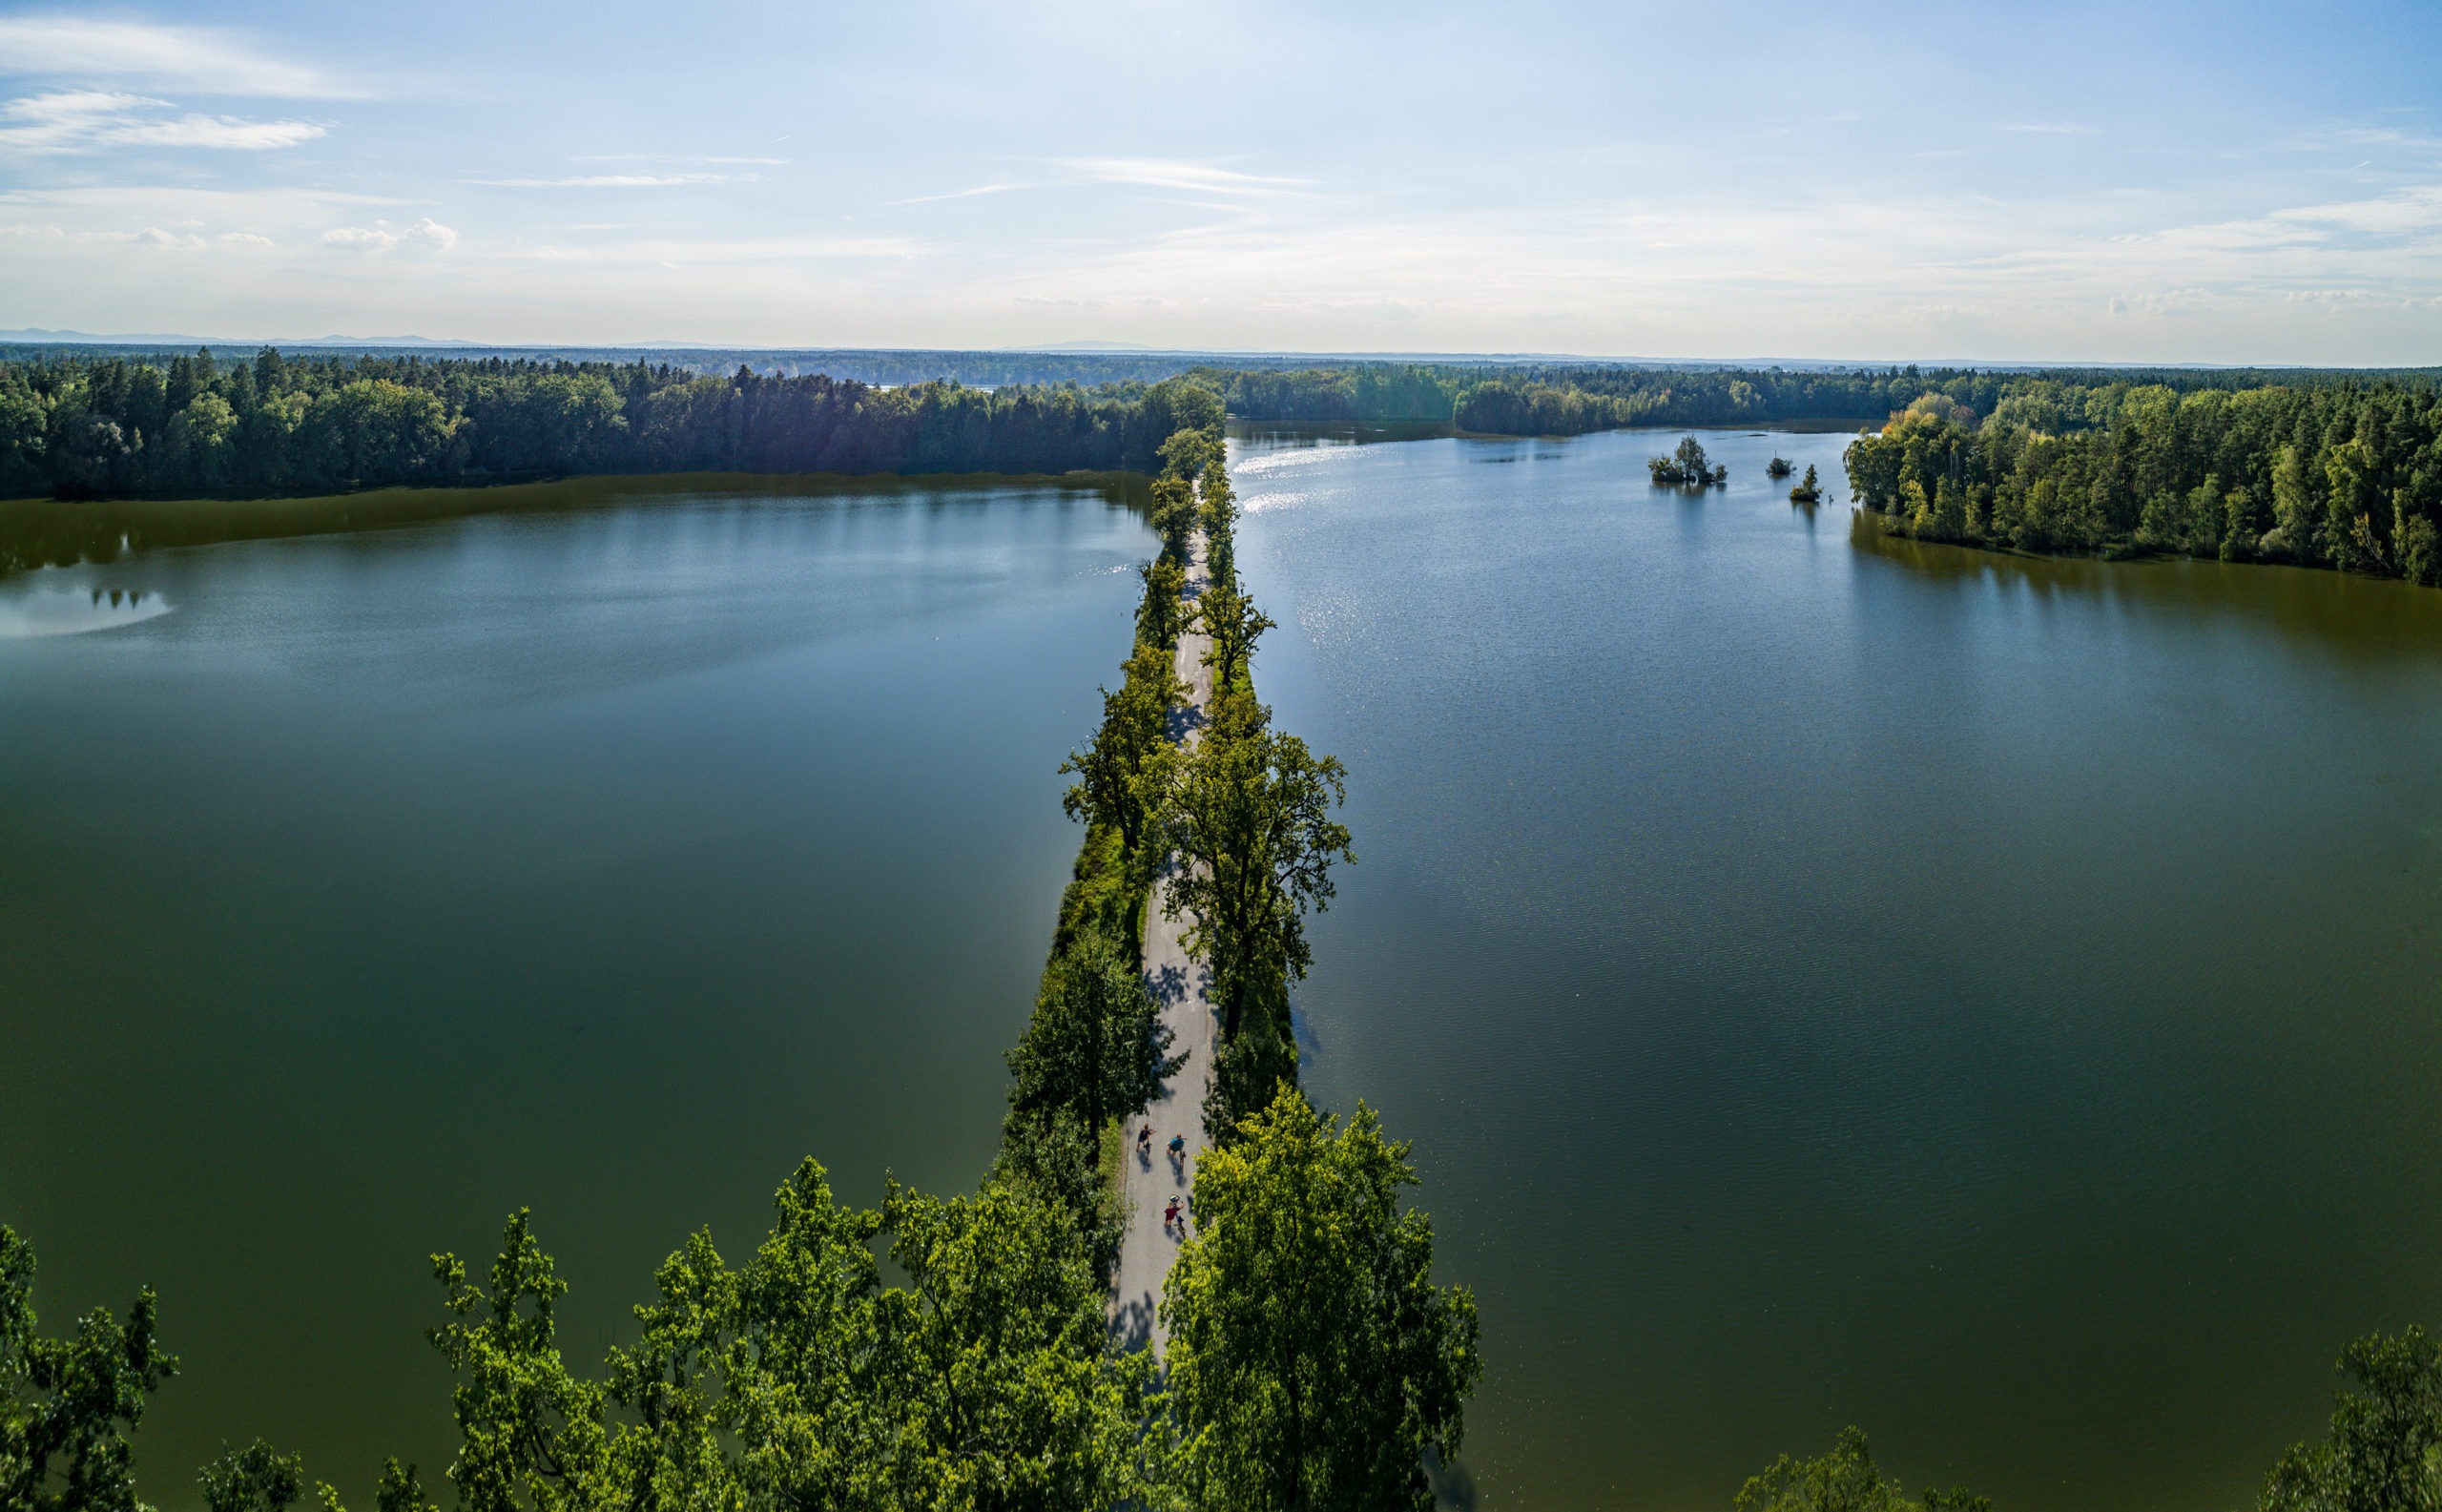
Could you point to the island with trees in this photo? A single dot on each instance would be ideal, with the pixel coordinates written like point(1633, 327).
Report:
point(1808, 489)
point(1686, 468)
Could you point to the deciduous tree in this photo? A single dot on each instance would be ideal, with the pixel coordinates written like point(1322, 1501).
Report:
point(1312, 1361)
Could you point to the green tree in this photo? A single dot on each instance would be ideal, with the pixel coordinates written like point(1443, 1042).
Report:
point(1012, 1400)
point(1157, 614)
point(2384, 1450)
point(1189, 451)
point(68, 1407)
point(785, 1361)
point(259, 1478)
point(1172, 515)
point(1096, 1046)
point(1843, 1480)
point(1230, 618)
point(1122, 772)
point(1249, 813)
point(2294, 505)
point(255, 1479)
point(530, 1434)
point(1312, 1363)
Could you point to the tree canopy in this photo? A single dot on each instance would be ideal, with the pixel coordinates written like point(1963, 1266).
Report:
point(1312, 1361)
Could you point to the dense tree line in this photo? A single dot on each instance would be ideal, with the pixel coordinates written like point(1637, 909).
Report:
point(80, 424)
point(1571, 399)
point(197, 425)
point(2345, 475)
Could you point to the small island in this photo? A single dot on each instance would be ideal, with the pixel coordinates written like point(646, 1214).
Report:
point(1807, 491)
point(1688, 467)
point(1779, 467)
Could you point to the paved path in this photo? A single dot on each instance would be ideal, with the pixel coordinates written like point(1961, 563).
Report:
point(1153, 1178)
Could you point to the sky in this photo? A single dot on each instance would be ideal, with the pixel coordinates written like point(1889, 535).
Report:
point(2124, 182)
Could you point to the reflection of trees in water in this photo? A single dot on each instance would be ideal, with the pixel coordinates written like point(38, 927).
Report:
point(2365, 618)
point(57, 532)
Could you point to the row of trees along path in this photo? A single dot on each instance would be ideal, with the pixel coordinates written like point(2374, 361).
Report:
point(1151, 1178)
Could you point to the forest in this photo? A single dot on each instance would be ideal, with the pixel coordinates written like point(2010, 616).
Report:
point(2339, 474)
point(76, 424)
point(1562, 398)
point(196, 426)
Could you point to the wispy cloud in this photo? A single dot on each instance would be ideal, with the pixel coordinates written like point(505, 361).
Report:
point(96, 120)
point(196, 59)
point(617, 180)
point(1146, 172)
point(679, 158)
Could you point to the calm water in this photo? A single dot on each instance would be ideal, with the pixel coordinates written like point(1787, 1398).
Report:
point(1827, 980)
point(1992, 1002)
point(354, 889)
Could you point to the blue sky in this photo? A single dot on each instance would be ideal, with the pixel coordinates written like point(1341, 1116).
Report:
point(2124, 183)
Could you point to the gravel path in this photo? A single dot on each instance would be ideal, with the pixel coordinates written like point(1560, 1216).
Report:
point(1152, 1178)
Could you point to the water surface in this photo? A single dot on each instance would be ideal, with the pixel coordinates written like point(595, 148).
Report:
point(1993, 1001)
point(606, 857)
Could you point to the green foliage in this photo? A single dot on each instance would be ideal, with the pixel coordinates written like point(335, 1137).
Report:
point(68, 1407)
point(1808, 488)
point(2331, 474)
point(1685, 468)
point(255, 1479)
point(1122, 771)
point(1843, 1480)
point(1250, 814)
point(1313, 1362)
point(800, 1380)
point(1230, 618)
point(1158, 615)
point(531, 1433)
point(1013, 1399)
point(1095, 1047)
point(2384, 1451)
point(1251, 1064)
point(1172, 515)
point(112, 427)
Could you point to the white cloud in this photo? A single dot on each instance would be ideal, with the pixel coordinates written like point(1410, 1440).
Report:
point(93, 121)
point(245, 239)
point(680, 157)
point(424, 235)
point(206, 61)
point(358, 238)
point(618, 180)
point(428, 235)
point(1148, 173)
point(218, 131)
